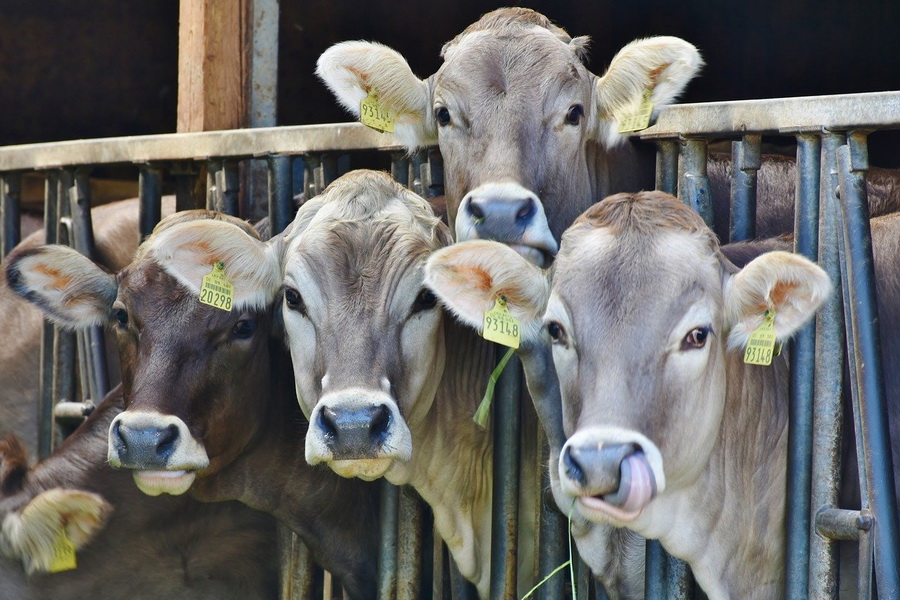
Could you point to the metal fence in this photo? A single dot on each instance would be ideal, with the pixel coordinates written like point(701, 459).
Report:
point(831, 155)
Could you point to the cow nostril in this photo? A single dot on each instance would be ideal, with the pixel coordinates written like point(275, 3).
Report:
point(327, 422)
point(381, 421)
point(574, 470)
point(527, 211)
point(167, 440)
point(475, 211)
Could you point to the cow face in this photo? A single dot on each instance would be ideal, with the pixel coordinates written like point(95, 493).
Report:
point(365, 336)
point(187, 367)
point(527, 133)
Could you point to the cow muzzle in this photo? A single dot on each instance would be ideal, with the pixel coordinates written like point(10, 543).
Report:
point(611, 474)
point(510, 214)
point(159, 449)
point(358, 433)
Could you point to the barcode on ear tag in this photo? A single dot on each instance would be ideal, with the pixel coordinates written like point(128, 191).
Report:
point(761, 344)
point(216, 290)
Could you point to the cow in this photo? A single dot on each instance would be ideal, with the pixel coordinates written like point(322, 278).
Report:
point(115, 231)
point(124, 543)
point(667, 431)
point(209, 399)
point(530, 138)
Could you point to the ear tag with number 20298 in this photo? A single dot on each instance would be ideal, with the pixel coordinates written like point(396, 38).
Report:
point(500, 326)
point(761, 344)
point(216, 290)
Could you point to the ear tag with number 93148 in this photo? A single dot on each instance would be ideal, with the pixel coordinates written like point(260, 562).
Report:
point(500, 326)
point(373, 114)
point(216, 290)
point(761, 344)
point(63, 554)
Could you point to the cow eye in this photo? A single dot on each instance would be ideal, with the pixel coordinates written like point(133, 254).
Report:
point(696, 339)
point(426, 300)
point(294, 300)
point(121, 316)
point(442, 115)
point(244, 328)
point(557, 332)
point(573, 117)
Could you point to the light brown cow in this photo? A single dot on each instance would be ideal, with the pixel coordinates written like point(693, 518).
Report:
point(669, 433)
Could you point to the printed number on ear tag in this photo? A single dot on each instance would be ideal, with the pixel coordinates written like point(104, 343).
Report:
point(761, 345)
point(63, 554)
point(216, 290)
point(500, 326)
point(373, 114)
point(639, 120)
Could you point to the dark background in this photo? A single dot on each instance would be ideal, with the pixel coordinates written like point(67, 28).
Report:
point(95, 68)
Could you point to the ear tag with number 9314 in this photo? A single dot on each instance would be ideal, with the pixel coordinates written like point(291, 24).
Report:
point(373, 114)
point(500, 326)
point(63, 554)
point(761, 344)
point(216, 290)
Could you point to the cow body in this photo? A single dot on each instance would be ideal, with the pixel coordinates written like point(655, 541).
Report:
point(173, 547)
point(208, 394)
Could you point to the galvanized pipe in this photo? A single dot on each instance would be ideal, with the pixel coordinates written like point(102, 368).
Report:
point(298, 572)
point(185, 175)
point(694, 188)
point(48, 334)
point(553, 537)
point(829, 354)
point(746, 158)
point(882, 499)
point(150, 198)
point(839, 524)
point(667, 166)
point(655, 584)
point(802, 360)
point(436, 174)
point(400, 168)
point(212, 189)
point(312, 175)
point(227, 188)
point(281, 198)
point(409, 547)
point(387, 554)
point(11, 211)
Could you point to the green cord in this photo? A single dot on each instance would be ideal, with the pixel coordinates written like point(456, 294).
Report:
point(484, 409)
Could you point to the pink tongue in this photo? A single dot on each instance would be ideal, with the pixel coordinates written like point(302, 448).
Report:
point(636, 471)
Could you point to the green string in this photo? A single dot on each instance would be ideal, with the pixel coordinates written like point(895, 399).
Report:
point(484, 409)
point(568, 563)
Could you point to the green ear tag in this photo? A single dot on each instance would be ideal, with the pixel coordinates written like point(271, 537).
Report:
point(373, 114)
point(641, 119)
point(216, 290)
point(63, 554)
point(761, 345)
point(500, 326)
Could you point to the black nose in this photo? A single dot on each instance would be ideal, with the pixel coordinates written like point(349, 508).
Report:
point(355, 433)
point(144, 447)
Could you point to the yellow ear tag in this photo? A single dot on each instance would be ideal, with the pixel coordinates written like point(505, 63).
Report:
point(216, 290)
point(373, 114)
point(500, 326)
point(641, 119)
point(761, 345)
point(63, 554)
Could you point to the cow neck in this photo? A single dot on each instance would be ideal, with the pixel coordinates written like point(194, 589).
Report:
point(735, 536)
point(452, 466)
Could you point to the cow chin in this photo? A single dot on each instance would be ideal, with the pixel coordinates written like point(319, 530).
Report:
point(154, 483)
point(366, 469)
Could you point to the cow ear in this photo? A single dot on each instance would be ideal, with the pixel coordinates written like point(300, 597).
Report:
point(190, 251)
point(32, 534)
point(67, 286)
point(787, 284)
point(352, 70)
point(661, 66)
point(468, 277)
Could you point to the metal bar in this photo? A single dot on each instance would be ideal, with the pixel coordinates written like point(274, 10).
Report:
point(409, 548)
point(839, 524)
point(667, 166)
point(505, 422)
point(655, 573)
point(435, 174)
point(185, 175)
point(829, 354)
point(298, 572)
point(329, 168)
point(400, 168)
point(802, 359)
point(212, 189)
point(553, 534)
point(416, 181)
point(281, 200)
point(746, 158)
point(227, 187)
point(873, 408)
point(48, 335)
point(311, 175)
point(679, 579)
point(387, 555)
point(694, 187)
point(150, 194)
point(11, 211)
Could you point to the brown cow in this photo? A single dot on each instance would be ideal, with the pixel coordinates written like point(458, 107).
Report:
point(208, 393)
point(169, 547)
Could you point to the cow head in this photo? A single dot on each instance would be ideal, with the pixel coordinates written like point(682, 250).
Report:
point(529, 137)
point(187, 367)
point(365, 336)
point(648, 322)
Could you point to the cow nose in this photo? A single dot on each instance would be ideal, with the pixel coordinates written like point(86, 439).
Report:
point(144, 447)
point(354, 433)
point(596, 469)
point(501, 218)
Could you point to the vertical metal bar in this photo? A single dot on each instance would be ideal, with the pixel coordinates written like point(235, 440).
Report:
point(667, 166)
point(329, 169)
point(185, 176)
point(150, 193)
point(802, 359)
point(213, 167)
point(387, 555)
point(227, 188)
point(11, 211)
point(504, 514)
point(436, 174)
point(409, 548)
point(853, 160)
point(416, 180)
point(655, 571)
point(746, 156)
point(281, 201)
point(583, 578)
point(694, 188)
point(48, 350)
point(679, 579)
point(553, 532)
point(400, 168)
point(297, 567)
point(829, 352)
point(312, 176)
